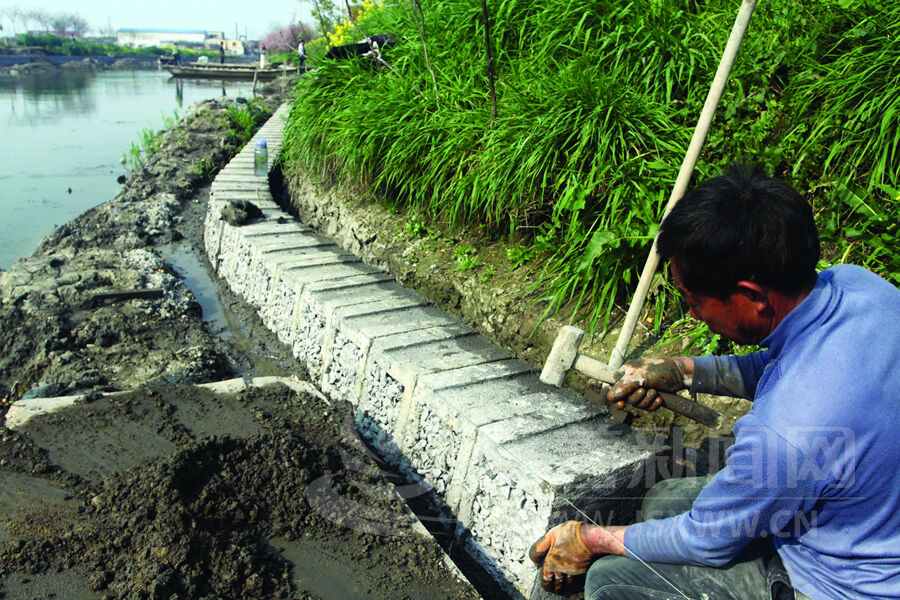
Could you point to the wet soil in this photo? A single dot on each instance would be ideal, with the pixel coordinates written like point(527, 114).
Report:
point(182, 493)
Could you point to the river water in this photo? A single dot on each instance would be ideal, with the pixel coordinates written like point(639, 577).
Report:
point(63, 135)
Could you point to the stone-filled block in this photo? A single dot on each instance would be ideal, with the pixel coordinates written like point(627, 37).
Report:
point(342, 371)
point(308, 335)
point(379, 416)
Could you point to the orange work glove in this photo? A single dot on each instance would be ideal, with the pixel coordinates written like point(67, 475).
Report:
point(564, 554)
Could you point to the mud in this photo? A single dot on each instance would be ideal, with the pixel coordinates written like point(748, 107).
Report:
point(181, 493)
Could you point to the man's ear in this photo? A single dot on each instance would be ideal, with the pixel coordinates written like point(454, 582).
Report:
point(754, 293)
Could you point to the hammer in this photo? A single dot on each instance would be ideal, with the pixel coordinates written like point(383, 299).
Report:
point(565, 356)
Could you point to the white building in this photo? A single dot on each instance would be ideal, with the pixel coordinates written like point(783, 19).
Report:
point(138, 38)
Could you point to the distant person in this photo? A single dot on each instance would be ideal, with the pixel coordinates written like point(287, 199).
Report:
point(221, 53)
point(176, 56)
point(262, 56)
point(301, 53)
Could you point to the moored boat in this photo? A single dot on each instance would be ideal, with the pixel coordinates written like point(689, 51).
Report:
point(247, 72)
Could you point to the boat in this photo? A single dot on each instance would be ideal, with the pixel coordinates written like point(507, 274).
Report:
point(248, 72)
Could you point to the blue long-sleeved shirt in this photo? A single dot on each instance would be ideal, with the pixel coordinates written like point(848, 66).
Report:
point(816, 461)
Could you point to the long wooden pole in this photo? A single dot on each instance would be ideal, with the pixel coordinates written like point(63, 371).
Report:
point(684, 175)
point(490, 58)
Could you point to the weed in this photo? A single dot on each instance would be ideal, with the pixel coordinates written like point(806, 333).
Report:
point(519, 255)
point(487, 274)
point(204, 168)
point(466, 259)
point(243, 120)
point(466, 263)
point(415, 228)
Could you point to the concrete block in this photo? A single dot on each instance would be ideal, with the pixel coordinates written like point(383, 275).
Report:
point(507, 510)
point(271, 265)
point(363, 327)
point(249, 188)
point(336, 364)
point(387, 291)
point(384, 405)
point(307, 328)
point(437, 441)
point(591, 460)
point(407, 363)
point(475, 375)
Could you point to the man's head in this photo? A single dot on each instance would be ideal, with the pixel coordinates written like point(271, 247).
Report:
point(744, 248)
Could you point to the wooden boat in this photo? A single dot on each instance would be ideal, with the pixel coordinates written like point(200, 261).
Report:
point(246, 72)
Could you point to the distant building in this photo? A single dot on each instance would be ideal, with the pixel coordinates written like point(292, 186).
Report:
point(235, 47)
point(197, 38)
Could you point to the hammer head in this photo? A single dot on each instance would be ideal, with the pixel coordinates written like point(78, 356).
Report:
point(562, 355)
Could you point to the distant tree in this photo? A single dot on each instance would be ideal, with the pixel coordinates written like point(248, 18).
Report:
point(326, 13)
point(41, 17)
point(69, 22)
point(286, 38)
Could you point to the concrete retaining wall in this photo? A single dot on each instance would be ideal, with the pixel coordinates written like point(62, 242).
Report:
point(507, 454)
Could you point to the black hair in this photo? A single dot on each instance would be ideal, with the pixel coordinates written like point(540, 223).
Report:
point(742, 225)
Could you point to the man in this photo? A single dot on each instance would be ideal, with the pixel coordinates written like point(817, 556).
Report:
point(813, 473)
point(301, 53)
point(221, 53)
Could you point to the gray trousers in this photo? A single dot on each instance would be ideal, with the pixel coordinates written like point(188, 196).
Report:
point(756, 574)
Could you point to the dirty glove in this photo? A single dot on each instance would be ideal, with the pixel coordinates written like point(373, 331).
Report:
point(564, 554)
point(642, 380)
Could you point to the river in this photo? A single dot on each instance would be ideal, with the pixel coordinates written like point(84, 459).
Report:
point(63, 137)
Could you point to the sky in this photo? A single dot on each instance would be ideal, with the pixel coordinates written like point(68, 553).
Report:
point(255, 17)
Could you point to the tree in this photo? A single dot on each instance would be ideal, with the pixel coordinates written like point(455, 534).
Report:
point(326, 13)
point(286, 38)
point(70, 22)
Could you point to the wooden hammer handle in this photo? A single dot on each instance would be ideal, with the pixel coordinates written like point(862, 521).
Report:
point(677, 404)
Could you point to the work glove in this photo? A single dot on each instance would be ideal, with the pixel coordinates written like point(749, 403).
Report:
point(642, 380)
point(564, 554)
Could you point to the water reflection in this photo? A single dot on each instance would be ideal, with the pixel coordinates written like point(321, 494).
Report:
point(69, 129)
point(46, 96)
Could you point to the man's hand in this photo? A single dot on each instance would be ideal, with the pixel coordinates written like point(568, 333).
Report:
point(642, 380)
point(569, 549)
point(565, 556)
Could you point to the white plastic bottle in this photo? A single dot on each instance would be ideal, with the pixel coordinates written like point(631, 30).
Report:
point(261, 158)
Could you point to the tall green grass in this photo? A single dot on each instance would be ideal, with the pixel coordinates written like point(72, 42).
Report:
point(597, 100)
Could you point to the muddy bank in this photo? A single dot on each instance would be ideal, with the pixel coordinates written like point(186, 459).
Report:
point(14, 65)
point(70, 320)
point(179, 492)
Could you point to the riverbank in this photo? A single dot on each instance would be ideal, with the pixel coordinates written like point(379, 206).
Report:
point(168, 489)
point(15, 65)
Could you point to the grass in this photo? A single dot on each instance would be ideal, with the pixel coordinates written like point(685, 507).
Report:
point(596, 104)
point(244, 120)
point(149, 141)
